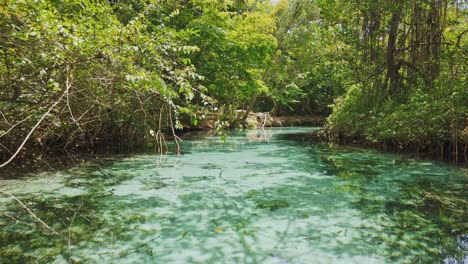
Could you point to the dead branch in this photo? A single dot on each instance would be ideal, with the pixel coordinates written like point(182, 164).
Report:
point(137, 249)
point(4, 117)
point(68, 85)
point(16, 220)
point(30, 212)
point(13, 126)
point(7, 149)
point(70, 226)
point(37, 124)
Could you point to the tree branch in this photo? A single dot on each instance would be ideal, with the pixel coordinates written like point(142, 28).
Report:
point(37, 124)
point(30, 212)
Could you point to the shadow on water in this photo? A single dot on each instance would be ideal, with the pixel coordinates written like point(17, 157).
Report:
point(420, 207)
point(247, 198)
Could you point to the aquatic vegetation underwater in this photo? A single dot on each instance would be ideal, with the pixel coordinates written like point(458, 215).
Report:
point(242, 199)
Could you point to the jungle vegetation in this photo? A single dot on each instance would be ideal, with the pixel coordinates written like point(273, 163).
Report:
point(86, 76)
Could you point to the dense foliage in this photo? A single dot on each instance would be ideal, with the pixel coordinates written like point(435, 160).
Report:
point(91, 75)
point(410, 86)
point(91, 78)
point(310, 66)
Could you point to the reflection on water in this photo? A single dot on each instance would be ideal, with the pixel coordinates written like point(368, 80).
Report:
point(252, 197)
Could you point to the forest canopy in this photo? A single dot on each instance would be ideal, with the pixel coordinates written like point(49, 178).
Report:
point(82, 76)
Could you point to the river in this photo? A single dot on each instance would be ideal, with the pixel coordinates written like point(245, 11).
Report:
point(247, 197)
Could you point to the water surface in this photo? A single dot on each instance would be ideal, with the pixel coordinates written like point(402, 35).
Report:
point(250, 197)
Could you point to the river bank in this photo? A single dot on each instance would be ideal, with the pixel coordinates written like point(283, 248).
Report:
point(263, 119)
point(64, 159)
point(442, 151)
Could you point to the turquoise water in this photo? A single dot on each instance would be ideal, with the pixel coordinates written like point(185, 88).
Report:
point(251, 197)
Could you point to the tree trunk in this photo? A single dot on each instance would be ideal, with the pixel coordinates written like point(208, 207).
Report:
point(393, 66)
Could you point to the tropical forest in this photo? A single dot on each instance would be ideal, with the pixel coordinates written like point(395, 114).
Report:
point(234, 131)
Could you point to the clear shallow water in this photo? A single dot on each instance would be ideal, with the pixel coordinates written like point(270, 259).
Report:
point(254, 198)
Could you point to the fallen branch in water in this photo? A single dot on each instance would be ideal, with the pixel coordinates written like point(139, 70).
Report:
point(137, 249)
point(16, 220)
point(30, 212)
point(70, 226)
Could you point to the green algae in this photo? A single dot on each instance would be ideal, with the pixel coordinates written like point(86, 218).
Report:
point(272, 205)
point(241, 201)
